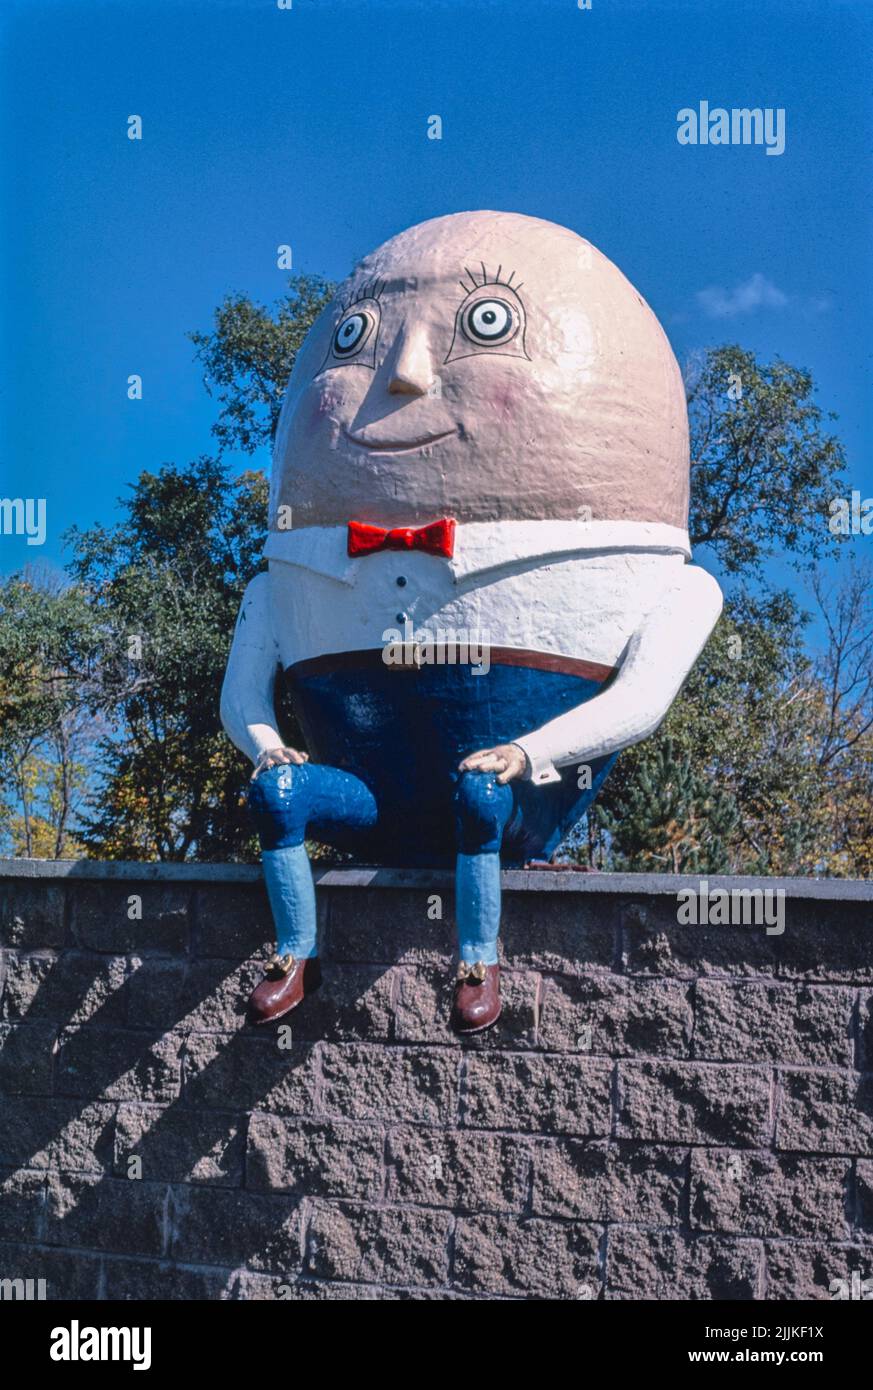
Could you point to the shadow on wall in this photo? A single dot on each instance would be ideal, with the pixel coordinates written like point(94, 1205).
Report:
point(663, 1111)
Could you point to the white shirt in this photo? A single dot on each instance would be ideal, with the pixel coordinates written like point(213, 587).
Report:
point(620, 594)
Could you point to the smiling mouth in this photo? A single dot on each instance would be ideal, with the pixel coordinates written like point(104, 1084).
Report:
point(394, 446)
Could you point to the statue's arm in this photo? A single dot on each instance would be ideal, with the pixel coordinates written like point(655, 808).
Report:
point(657, 660)
point(248, 710)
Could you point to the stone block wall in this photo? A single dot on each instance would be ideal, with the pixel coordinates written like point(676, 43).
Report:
point(664, 1111)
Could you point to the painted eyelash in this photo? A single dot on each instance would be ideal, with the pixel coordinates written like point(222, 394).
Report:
point(371, 290)
point(488, 280)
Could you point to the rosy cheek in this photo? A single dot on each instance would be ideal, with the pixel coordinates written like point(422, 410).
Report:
point(502, 402)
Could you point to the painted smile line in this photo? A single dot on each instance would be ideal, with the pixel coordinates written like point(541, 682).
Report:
point(395, 446)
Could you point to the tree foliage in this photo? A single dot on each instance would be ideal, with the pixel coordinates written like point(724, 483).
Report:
point(762, 728)
point(49, 645)
point(166, 583)
point(763, 466)
point(668, 817)
point(248, 356)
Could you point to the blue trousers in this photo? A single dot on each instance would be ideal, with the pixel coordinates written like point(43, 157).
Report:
point(291, 802)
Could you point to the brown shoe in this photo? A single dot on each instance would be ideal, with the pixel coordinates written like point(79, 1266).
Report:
point(477, 997)
point(285, 985)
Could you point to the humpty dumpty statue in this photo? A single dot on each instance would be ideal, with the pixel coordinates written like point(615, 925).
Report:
point(479, 585)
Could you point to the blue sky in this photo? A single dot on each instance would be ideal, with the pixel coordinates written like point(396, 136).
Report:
point(264, 126)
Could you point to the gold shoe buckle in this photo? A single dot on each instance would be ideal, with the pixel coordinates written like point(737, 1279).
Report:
point(283, 965)
point(477, 972)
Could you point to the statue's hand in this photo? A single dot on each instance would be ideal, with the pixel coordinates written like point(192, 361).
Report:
point(507, 760)
point(274, 756)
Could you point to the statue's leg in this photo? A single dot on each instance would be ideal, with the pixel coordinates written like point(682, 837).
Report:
point(483, 808)
point(285, 801)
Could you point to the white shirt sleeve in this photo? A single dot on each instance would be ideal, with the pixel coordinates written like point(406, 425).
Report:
point(248, 710)
point(655, 665)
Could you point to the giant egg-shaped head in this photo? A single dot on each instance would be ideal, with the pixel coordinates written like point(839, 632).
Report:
point(487, 366)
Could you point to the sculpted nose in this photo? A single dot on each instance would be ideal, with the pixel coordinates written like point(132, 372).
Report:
point(411, 372)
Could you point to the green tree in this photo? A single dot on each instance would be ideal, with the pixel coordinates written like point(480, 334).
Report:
point(49, 650)
point(782, 735)
point(248, 356)
point(763, 466)
point(155, 599)
point(166, 583)
point(669, 817)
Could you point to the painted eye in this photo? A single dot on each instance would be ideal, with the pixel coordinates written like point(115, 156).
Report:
point(490, 321)
point(351, 334)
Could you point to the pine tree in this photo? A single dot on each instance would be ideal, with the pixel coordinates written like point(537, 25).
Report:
point(669, 819)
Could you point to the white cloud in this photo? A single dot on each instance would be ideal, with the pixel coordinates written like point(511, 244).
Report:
point(755, 293)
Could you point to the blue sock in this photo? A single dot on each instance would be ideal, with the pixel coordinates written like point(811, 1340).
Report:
point(292, 898)
point(483, 807)
point(477, 899)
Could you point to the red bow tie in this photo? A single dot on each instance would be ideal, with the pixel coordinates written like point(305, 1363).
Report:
point(436, 539)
